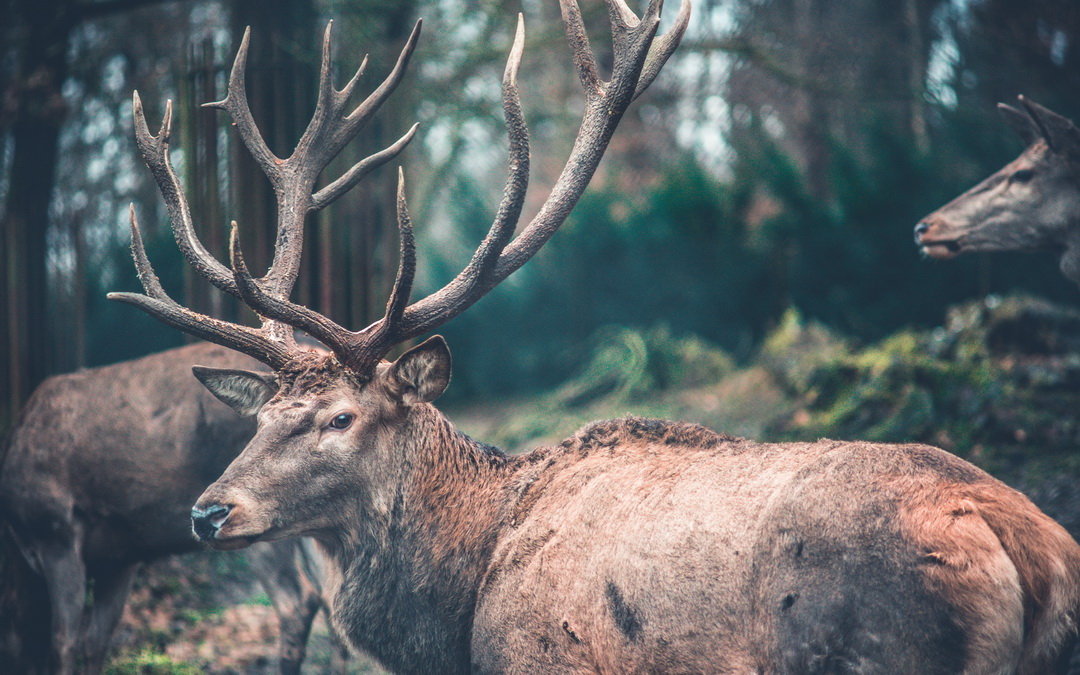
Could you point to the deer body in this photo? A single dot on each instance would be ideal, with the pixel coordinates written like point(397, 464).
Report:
point(643, 546)
point(1030, 204)
point(662, 547)
point(635, 546)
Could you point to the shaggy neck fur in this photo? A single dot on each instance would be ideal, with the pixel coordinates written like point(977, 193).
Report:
point(1070, 258)
point(409, 566)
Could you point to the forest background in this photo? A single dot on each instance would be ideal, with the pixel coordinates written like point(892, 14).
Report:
point(743, 258)
point(780, 162)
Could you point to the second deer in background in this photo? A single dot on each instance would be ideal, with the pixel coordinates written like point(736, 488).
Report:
point(1031, 204)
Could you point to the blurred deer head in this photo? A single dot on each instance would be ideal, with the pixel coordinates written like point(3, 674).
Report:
point(1031, 204)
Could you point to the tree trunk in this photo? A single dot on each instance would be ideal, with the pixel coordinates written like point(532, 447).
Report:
point(25, 341)
point(357, 283)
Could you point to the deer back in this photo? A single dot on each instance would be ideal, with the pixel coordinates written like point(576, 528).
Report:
point(646, 546)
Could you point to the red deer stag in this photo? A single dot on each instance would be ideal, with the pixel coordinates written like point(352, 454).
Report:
point(98, 477)
point(1031, 204)
point(635, 545)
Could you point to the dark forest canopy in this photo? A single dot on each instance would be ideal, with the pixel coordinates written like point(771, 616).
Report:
point(781, 160)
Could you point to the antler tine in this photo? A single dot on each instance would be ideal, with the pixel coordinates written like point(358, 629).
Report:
point(362, 351)
point(517, 181)
point(155, 153)
point(361, 169)
point(473, 277)
point(236, 104)
point(662, 48)
point(374, 101)
point(1034, 116)
point(399, 295)
point(582, 52)
point(605, 103)
point(271, 341)
point(331, 128)
point(276, 309)
point(149, 280)
point(621, 15)
point(328, 132)
point(158, 304)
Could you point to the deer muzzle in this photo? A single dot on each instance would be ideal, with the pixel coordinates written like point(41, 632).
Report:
point(929, 235)
point(205, 523)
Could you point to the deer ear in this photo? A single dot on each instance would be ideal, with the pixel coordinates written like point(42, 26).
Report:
point(245, 391)
point(1061, 135)
point(422, 373)
point(1020, 122)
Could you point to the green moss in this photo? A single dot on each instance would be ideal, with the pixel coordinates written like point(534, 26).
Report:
point(996, 384)
point(796, 349)
point(150, 662)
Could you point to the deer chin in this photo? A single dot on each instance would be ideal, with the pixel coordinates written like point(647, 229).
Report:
point(942, 249)
point(233, 538)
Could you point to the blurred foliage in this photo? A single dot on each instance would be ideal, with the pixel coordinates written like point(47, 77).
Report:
point(627, 370)
point(997, 384)
point(629, 365)
point(724, 258)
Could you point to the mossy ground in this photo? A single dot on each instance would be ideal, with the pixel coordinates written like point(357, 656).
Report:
point(205, 613)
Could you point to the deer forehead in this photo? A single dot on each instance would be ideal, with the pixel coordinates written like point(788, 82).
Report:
point(316, 376)
point(1038, 152)
point(327, 387)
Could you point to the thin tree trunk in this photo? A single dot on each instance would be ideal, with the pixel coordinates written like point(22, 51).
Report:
point(25, 344)
point(810, 110)
point(78, 294)
point(917, 61)
point(369, 211)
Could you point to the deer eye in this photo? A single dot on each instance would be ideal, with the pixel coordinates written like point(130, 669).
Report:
point(342, 421)
point(1022, 176)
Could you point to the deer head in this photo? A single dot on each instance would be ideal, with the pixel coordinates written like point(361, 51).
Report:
point(332, 427)
point(1031, 204)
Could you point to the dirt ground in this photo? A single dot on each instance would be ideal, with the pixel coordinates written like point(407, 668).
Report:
point(205, 613)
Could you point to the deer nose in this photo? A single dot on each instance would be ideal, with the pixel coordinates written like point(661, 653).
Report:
point(206, 522)
point(920, 230)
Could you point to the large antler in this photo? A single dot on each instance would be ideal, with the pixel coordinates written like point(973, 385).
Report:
point(332, 127)
point(638, 59)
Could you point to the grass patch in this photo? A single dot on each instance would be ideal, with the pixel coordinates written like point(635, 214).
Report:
point(150, 662)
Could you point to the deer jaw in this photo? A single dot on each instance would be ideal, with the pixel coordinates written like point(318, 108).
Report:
point(326, 454)
point(1030, 204)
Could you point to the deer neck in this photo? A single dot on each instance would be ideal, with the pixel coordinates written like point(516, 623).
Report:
point(408, 576)
point(1070, 258)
